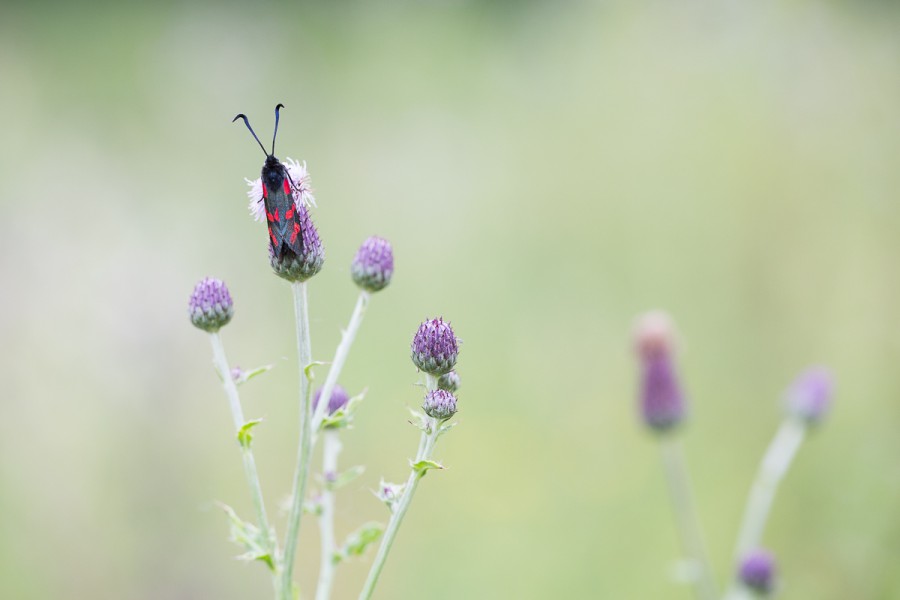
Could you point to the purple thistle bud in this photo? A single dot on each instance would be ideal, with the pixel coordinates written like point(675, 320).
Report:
point(294, 267)
point(434, 347)
point(338, 400)
point(809, 397)
point(662, 403)
point(373, 265)
point(757, 571)
point(237, 374)
point(449, 381)
point(439, 404)
point(210, 306)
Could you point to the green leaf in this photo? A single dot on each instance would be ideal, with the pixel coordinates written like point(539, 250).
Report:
point(343, 416)
point(346, 477)
point(424, 465)
point(357, 542)
point(307, 370)
point(254, 372)
point(244, 435)
point(445, 428)
point(250, 537)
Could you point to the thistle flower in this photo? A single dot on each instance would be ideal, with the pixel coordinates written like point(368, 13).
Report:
point(757, 571)
point(662, 403)
point(210, 306)
point(435, 347)
point(809, 397)
point(449, 381)
point(294, 267)
point(339, 399)
point(439, 404)
point(302, 190)
point(373, 265)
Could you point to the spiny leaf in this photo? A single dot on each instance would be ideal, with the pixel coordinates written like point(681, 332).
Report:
point(244, 435)
point(357, 542)
point(424, 465)
point(346, 477)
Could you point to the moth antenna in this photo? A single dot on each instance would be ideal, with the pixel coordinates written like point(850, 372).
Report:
point(247, 123)
point(274, 135)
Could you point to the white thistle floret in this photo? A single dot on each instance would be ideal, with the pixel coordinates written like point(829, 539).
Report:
point(302, 189)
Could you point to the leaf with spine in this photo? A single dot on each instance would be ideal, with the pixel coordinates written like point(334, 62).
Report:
point(445, 428)
point(420, 421)
point(308, 369)
point(250, 537)
point(244, 435)
point(344, 478)
point(357, 542)
point(343, 416)
point(424, 465)
point(248, 375)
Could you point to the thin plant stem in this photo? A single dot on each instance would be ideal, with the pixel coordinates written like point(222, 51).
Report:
point(340, 357)
point(237, 416)
point(426, 446)
point(686, 518)
point(301, 470)
point(774, 465)
point(330, 451)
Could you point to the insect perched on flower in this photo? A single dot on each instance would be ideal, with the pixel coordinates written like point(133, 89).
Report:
point(282, 197)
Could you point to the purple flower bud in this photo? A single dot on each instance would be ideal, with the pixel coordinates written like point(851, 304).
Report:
point(662, 403)
point(294, 267)
point(374, 264)
point(210, 306)
point(439, 404)
point(757, 571)
point(809, 397)
point(338, 400)
point(434, 347)
point(449, 381)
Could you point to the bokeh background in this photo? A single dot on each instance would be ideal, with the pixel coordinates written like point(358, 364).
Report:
point(546, 171)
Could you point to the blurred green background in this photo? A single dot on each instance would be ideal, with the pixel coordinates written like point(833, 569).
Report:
point(546, 171)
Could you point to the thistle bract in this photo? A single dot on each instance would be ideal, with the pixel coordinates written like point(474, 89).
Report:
point(373, 265)
point(339, 399)
point(210, 306)
point(662, 403)
point(435, 347)
point(757, 571)
point(449, 381)
point(439, 404)
point(300, 267)
point(809, 397)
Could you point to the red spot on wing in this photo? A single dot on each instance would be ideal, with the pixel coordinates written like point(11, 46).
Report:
point(290, 213)
point(272, 236)
point(269, 217)
point(287, 187)
point(265, 191)
point(276, 214)
point(296, 231)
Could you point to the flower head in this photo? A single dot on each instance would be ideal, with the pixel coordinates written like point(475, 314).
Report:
point(757, 571)
point(210, 306)
point(439, 404)
point(302, 190)
point(337, 401)
point(809, 397)
point(435, 347)
point(662, 403)
point(373, 265)
point(449, 381)
point(300, 267)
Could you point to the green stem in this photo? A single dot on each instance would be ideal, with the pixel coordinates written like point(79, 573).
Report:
point(686, 517)
point(426, 446)
point(340, 357)
point(330, 451)
point(237, 416)
point(301, 470)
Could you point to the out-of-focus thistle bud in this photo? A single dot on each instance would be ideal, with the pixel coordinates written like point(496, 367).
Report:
point(435, 347)
point(300, 267)
point(210, 306)
point(757, 571)
point(662, 403)
point(390, 493)
point(809, 397)
point(439, 404)
point(373, 265)
point(338, 400)
point(449, 381)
